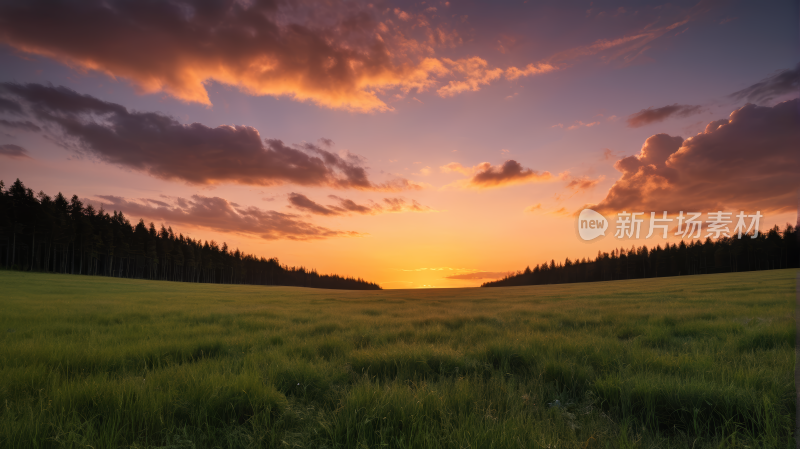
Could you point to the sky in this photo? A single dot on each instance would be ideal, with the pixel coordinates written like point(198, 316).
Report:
point(412, 144)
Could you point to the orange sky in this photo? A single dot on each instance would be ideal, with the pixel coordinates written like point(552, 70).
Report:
point(403, 143)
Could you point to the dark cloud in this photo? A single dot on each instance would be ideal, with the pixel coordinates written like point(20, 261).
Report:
point(785, 82)
point(164, 204)
point(13, 151)
point(480, 275)
point(346, 206)
point(334, 53)
point(511, 171)
point(748, 162)
point(486, 175)
point(10, 106)
point(650, 115)
point(20, 125)
point(220, 215)
point(302, 202)
point(162, 147)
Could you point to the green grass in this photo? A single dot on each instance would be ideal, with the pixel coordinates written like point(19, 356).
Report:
point(699, 361)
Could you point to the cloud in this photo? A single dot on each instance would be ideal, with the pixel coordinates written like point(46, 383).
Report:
point(631, 45)
point(302, 202)
point(221, 215)
point(513, 73)
point(622, 45)
point(650, 115)
point(9, 106)
point(401, 205)
point(23, 126)
point(162, 147)
point(458, 168)
point(480, 275)
point(746, 162)
point(784, 82)
point(576, 125)
point(402, 15)
point(580, 124)
point(583, 183)
point(425, 171)
point(13, 151)
point(485, 175)
point(475, 73)
point(334, 54)
point(538, 209)
point(162, 203)
point(627, 47)
point(347, 207)
point(439, 269)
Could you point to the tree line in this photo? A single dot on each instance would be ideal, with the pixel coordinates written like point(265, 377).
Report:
point(56, 235)
point(774, 249)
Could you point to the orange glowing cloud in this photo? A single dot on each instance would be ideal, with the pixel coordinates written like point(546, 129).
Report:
point(513, 73)
point(262, 47)
point(337, 54)
point(475, 73)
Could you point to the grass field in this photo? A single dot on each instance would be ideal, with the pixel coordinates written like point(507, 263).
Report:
point(697, 361)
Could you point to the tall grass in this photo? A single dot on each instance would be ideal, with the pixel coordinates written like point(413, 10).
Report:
point(702, 361)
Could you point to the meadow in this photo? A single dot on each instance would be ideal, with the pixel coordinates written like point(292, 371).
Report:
point(696, 361)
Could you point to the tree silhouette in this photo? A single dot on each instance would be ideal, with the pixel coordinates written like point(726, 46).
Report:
point(54, 235)
point(774, 249)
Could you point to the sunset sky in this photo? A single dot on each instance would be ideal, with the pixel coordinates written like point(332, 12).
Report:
point(427, 144)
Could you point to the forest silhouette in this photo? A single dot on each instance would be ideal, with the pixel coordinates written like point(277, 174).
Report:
point(774, 249)
point(56, 235)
